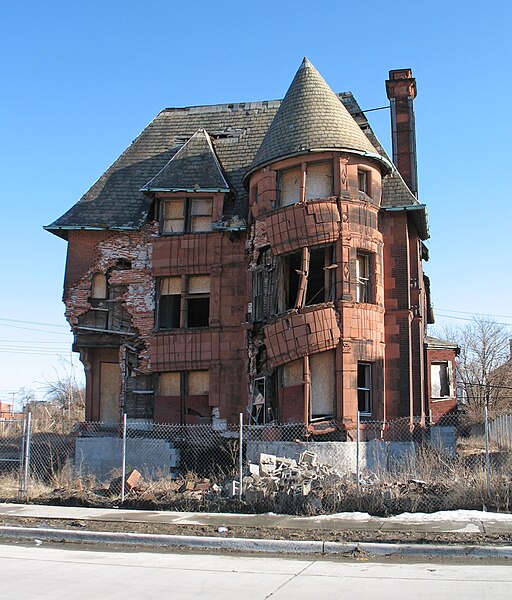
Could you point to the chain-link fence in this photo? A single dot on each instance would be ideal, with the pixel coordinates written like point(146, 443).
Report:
point(377, 467)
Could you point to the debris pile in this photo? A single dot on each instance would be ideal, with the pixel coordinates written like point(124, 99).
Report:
point(276, 474)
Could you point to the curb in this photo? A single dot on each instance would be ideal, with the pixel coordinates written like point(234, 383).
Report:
point(255, 545)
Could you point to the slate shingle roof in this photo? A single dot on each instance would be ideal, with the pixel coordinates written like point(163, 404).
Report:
point(237, 131)
point(310, 117)
point(193, 168)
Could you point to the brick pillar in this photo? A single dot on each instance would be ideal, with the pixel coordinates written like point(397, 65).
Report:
point(401, 91)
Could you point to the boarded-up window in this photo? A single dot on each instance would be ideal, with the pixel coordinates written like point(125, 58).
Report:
point(293, 373)
point(201, 214)
point(169, 303)
point(319, 180)
point(322, 384)
point(187, 214)
point(440, 380)
point(290, 186)
point(169, 384)
point(174, 216)
point(198, 383)
point(99, 286)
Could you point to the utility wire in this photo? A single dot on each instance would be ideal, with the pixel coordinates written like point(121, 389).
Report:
point(464, 312)
point(32, 322)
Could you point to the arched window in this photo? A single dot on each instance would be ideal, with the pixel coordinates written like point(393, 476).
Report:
point(99, 286)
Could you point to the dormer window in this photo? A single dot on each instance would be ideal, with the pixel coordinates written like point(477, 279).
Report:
point(186, 215)
point(318, 183)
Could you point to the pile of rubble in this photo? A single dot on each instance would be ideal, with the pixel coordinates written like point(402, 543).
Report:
point(276, 474)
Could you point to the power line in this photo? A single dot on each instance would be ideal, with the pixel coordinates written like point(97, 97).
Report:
point(465, 318)
point(32, 322)
point(32, 329)
point(31, 342)
point(465, 312)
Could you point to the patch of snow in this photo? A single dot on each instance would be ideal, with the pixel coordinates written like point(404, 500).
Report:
point(451, 515)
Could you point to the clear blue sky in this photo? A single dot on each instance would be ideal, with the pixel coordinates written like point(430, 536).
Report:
point(81, 79)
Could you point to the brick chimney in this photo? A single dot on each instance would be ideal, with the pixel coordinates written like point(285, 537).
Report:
point(401, 91)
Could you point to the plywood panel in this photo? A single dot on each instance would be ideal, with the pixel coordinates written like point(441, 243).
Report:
point(110, 387)
point(322, 383)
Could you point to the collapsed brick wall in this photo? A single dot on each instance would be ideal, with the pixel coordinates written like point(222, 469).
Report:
point(89, 253)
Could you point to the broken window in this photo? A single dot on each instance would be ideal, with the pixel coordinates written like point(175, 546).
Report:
point(169, 303)
point(198, 301)
point(364, 181)
point(138, 390)
point(262, 407)
point(363, 279)
point(258, 401)
point(440, 380)
point(319, 180)
point(183, 308)
point(181, 215)
point(323, 386)
point(364, 388)
point(306, 277)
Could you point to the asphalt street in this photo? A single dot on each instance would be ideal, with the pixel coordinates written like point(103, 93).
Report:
point(39, 571)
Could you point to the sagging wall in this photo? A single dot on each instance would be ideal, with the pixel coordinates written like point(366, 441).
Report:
point(295, 332)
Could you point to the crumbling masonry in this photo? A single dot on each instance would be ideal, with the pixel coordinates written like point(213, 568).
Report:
point(263, 258)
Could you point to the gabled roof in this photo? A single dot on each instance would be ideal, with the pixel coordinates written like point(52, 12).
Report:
point(311, 117)
point(194, 168)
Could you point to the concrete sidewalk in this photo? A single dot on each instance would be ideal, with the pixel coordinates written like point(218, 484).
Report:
point(462, 522)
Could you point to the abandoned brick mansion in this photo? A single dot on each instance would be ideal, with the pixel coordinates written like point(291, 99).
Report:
point(261, 257)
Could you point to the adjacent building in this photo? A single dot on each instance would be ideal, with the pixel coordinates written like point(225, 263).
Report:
point(261, 257)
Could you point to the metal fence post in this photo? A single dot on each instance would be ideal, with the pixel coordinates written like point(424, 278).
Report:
point(240, 456)
point(358, 442)
point(487, 456)
point(123, 462)
point(21, 479)
point(27, 456)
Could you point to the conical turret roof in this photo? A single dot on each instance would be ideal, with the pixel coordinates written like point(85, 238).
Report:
point(311, 117)
point(195, 168)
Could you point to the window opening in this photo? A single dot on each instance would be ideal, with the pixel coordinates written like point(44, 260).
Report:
point(198, 301)
point(290, 183)
point(364, 388)
point(169, 303)
point(440, 380)
point(363, 181)
point(99, 286)
point(181, 215)
point(319, 180)
point(363, 282)
point(323, 388)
